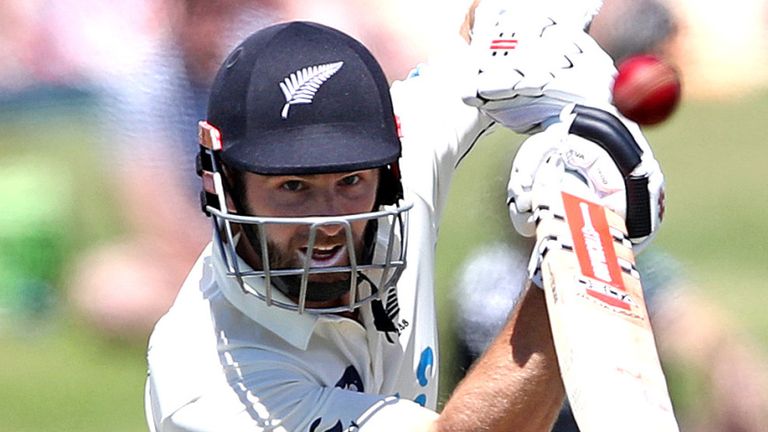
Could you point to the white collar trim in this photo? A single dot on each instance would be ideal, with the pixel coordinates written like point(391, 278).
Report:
point(293, 327)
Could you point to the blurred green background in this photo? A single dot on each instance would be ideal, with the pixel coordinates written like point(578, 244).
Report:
point(59, 375)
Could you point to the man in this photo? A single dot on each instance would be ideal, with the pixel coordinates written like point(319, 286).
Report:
point(302, 314)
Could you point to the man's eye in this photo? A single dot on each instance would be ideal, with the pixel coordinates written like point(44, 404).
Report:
point(350, 180)
point(292, 185)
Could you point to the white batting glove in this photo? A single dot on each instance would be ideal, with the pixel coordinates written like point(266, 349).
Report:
point(559, 159)
point(534, 58)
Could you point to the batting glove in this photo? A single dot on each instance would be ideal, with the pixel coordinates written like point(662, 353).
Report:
point(534, 58)
point(592, 149)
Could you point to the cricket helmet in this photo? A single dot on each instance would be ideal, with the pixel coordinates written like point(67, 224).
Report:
point(301, 98)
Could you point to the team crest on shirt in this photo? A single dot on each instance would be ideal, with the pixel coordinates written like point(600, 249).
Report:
point(385, 316)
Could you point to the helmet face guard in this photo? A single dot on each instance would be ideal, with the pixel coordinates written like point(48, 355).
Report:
point(380, 268)
point(380, 272)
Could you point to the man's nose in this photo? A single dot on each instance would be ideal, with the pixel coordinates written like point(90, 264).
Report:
point(331, 229)
point(328, 205)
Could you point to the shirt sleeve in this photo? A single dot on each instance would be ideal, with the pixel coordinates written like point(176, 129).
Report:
point(437, 128)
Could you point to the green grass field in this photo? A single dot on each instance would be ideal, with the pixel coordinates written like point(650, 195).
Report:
point(57, 375)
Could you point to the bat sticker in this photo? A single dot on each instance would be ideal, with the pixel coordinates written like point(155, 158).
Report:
point(597, 257)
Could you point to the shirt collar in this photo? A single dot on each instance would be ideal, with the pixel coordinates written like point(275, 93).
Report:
point(291, 326)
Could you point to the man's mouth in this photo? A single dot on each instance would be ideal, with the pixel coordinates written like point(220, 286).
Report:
point(325, 256)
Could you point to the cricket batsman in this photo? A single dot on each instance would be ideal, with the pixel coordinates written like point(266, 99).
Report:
point(313, 307)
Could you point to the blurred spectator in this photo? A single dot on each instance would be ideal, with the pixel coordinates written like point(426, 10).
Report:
point(380, 25)
point(627, 27)
point(16, 34)
point(49, 43)
point(150, 122)
point(722, 48)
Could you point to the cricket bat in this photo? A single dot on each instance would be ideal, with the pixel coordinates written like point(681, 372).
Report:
point(603, 339)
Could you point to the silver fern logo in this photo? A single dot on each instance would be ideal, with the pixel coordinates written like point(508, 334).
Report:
point(300, 87)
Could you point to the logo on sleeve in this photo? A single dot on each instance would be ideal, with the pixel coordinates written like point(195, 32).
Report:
point(424, 372)
point(300, 87)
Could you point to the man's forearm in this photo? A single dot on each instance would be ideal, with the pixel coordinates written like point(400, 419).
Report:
point(515, 385)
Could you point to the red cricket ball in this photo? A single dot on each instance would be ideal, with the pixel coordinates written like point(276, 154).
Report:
point(646, 90)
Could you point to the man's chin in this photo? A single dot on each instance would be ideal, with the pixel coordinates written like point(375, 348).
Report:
point(328, 278)
point(321, 287)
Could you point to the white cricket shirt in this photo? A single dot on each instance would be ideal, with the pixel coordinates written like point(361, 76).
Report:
point(222, 360)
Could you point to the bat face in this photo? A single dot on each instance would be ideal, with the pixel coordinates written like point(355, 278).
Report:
point(604, 341)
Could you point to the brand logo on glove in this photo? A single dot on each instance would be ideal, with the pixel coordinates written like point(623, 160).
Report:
point(503, 45)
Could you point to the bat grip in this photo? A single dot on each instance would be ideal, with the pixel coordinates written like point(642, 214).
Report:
point(607, 131)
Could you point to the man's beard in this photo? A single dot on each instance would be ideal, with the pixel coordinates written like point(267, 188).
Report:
point(321, 287)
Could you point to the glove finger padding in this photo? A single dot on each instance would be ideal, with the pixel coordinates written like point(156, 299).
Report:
point(595, 150)
point(535, 59)
point(526, 169)
point(577, 13)
point(554, 161)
